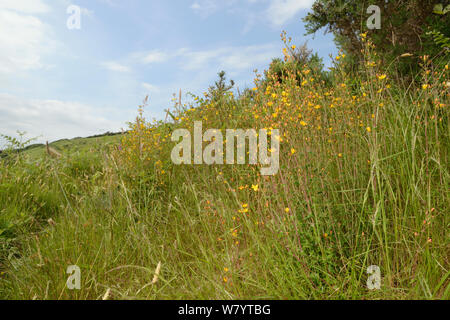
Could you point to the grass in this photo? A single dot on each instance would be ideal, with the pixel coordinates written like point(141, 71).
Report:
point(363, 181)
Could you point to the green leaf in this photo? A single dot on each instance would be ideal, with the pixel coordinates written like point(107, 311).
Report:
point(447, 9)
point(438, 9)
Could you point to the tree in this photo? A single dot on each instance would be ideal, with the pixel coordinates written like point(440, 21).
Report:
point(217, 91)
point(297, 58)
point(404, 25)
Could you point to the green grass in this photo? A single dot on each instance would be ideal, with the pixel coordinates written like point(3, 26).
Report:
point(356, 198)
point(70, 147)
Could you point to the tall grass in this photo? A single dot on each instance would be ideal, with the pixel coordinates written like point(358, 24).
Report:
point(363, 181)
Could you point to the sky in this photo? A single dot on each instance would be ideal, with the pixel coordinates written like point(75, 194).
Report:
point(59, 82)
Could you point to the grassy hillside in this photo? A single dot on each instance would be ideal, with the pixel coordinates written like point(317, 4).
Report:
point(69, 147)
point(28, 194)
point(363, 180)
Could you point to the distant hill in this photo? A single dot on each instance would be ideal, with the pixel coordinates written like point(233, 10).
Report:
point(67, 146)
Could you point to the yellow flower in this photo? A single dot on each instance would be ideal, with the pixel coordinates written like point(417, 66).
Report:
point(225, 269)
point(425, 86)
point(255, 187)
point(287, 210)
point(369, 129)
point(382, 77)
point(303, 123)
point(293, 151)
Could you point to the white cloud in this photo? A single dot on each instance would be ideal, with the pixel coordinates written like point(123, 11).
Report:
point(114, 66)
point(207, 7)
point(150, 57)
point(24, 6)
point(109, 2)
point(276, 12)
point(24, 38)
point(154, 57)
point(150, 88)
point(193, 60)
point(281, 11)
point(231, 59)
point(52, 119)
point(246, 58)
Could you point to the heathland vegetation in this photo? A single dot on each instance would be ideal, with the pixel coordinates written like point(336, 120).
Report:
point(363, 180)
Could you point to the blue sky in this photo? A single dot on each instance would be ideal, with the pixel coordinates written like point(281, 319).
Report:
point(60, 83)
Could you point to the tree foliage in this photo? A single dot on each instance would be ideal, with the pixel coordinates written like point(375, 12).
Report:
point(407, 26)
point(220, 87)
